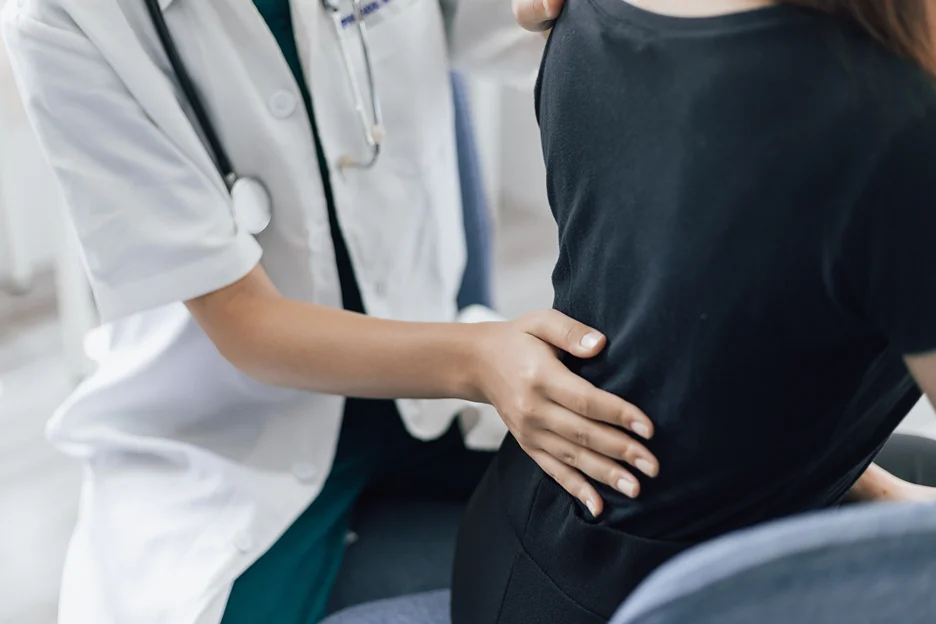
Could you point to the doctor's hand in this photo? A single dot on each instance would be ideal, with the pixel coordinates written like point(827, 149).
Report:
point(566, 425)
point(537, 15)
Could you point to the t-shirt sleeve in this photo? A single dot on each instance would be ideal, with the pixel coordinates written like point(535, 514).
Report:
point(155, 227)
point(894, 244)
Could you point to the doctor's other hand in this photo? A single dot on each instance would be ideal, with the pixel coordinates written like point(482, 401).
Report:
point(537, 15)
point(566, 425)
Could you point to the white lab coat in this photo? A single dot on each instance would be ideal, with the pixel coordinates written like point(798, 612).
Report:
point(192, 470)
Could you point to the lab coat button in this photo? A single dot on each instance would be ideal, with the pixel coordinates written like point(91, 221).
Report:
point(380, 288)
point(243, 542)
point(282, 104)
point(304, 471)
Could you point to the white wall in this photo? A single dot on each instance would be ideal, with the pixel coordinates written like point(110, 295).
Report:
point(29, 200)
point(523, 175)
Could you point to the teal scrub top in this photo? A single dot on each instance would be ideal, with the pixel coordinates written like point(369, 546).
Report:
point(291, 583)
point(278, 17)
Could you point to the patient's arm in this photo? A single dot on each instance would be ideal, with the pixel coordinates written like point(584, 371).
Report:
point(923, 368)
point(876, 484)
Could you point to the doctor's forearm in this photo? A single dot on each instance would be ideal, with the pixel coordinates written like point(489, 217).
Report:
point(326, 350)
point(309, 347)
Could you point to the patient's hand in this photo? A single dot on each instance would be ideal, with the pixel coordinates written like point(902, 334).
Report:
point(878, 485)
point(918, 493)
point(537, 15)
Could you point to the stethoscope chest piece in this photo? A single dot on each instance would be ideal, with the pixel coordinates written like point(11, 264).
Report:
point(251, 205)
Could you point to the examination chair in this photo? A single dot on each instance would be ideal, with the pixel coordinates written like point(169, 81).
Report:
point(870, 564)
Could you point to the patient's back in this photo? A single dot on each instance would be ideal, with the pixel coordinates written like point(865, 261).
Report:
point(743, 205)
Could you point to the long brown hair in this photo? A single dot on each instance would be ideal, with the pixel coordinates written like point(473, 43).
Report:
point(904, 26)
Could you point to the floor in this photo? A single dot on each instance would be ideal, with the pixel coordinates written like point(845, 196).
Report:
point(39, 487)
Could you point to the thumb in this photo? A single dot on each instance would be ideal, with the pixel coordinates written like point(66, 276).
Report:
point(562, 332)
point(537, 15)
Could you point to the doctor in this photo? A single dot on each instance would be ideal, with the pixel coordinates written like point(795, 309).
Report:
point(238, 172)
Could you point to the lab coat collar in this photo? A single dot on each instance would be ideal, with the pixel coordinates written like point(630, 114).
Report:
point(164, 4)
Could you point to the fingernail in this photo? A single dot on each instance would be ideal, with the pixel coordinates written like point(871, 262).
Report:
point(627, 488)
point(590, 340)
point(641, 429)
point(592, 507)
point(647, 467)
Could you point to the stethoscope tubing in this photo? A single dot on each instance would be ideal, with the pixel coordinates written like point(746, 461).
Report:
point(251, 202)
point(191, 93)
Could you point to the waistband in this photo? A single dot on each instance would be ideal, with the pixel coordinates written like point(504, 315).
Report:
point(594, 565)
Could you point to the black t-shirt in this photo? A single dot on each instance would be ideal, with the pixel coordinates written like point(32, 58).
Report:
point(747, 209)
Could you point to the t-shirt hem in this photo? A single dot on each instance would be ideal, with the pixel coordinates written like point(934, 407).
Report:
point(917, 349)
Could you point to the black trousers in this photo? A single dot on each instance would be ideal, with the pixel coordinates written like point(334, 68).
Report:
point(579, 579)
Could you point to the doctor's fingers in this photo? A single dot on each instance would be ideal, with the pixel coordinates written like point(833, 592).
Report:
point(569, 479)
point(582, 398)
point(537, 15)
point(592, 447)
point(563, 333)
point(597, 467)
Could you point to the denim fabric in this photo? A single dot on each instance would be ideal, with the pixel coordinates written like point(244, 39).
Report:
point(863, 565)
point(430, 608)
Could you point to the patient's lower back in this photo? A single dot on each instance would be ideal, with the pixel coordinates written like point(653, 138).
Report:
point(704, 177)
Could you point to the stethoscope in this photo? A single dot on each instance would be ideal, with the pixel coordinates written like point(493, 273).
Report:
point(250, 200)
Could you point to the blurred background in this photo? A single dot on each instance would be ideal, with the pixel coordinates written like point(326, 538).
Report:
point(47, 321)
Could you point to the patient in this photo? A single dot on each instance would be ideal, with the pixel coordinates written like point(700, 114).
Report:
point(746, 205)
